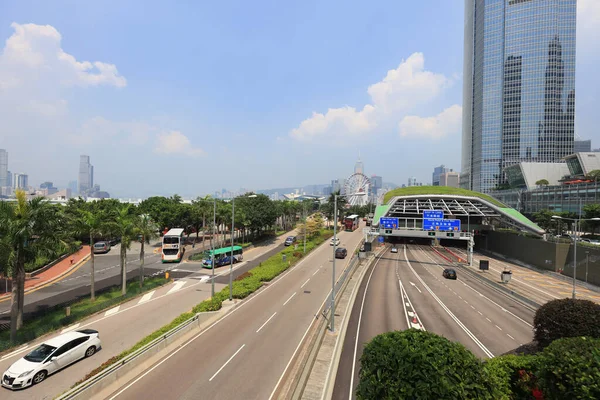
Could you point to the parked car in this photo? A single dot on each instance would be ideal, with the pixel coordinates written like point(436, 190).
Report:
point(591, 241)
point(335, 241)
point(50, 357)
point(101, 247)
point(449, 273)
point(290, 240)
point(394, 249)
point(341, 252)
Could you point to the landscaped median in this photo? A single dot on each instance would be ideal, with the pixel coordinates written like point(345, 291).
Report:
point(56, 318)
point(245, 285)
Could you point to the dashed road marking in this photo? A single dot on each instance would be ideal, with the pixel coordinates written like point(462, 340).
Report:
point(304, 284)
point(177, 286)
point(498, 327)
point(112, 311)
point(489, 320)
point(146, 297)
point(70, 328)
point(510, 336)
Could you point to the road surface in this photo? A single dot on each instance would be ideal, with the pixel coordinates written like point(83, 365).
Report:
point(245, 354)
point(406, 289)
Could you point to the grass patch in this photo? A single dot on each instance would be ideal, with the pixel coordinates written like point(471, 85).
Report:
point(55, 317)
point(424, 190)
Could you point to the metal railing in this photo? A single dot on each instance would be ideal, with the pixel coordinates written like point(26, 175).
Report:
point(83, 386)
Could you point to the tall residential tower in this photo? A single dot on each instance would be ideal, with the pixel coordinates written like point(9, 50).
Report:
point(86, 175)
point(518, 88)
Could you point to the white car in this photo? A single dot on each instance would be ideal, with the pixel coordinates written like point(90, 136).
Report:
point(50, 357)
point(335, 241)
point(394, 249)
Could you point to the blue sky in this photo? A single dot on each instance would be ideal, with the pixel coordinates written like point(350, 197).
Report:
point(190, 97)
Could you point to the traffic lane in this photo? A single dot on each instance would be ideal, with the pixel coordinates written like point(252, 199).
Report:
point(117, 334)
point(275, 334)
point(523, 280)
point(218, 343)
point(496, 329)
point(379, 309)
point(510, 305)
point(435, 317)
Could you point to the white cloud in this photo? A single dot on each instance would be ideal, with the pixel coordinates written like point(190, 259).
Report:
point(174, 142)
point(402, 89)
point(588, 23)
point(447, 122)
point(34, 54)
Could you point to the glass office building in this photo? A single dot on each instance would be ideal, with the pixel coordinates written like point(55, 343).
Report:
point(519, 86)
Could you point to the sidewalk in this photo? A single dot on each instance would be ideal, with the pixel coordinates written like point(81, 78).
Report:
point(52, 274)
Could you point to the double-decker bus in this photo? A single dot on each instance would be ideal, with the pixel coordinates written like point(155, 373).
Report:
point(222, 256)
point(351, 222)
point(173, 245)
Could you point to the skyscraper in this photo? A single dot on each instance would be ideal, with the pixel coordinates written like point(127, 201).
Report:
point(359, 167)
point(4, 169)
point(86, 175)
point(20, 181)
point(518, 88)
point(437, 171)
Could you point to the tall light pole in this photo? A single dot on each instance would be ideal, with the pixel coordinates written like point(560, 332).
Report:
point(212, 248)
point(333, 274)
point(304, 227)
point(576, 223)
point(231, 254)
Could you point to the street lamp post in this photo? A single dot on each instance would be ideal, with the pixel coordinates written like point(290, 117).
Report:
point(231, 254)
point(577, 223)
point(333, 273)
point(212, 249)
point(304, 227)
point(587, 259)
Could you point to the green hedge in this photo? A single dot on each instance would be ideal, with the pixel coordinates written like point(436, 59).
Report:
point(566, 318)
point(512, 376)
point(414, 364)
point(570, 369)
point(55, 318)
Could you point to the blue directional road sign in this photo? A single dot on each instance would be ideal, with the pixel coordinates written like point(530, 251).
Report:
point(388, 223)
point(381, 239)
point(441, 224)
point(433, 214)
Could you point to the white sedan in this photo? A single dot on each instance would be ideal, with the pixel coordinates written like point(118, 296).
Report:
point(334, 241)
point(50, 357)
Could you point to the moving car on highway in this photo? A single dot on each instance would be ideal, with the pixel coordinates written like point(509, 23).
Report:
point(334, 241)
point(290, 240)
point(341, 252)
point(50, 357)
point(101, 247)
point(394, 249)
point(449, 273)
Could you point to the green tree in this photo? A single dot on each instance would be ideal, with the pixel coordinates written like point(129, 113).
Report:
point(416, 364)
point(591, 211)
point(30, 228)
point(93, 225)
point(542, 182)
point(544, 219)
point(594, 175)
point(147, 230)
point(125, 228)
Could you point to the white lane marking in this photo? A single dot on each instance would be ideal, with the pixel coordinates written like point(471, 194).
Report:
point(489, 320)
point(480, 313)
point(288, 300)
point(304, 283)
point(266, 322)
point(146, 297)
point(458, 322)
point(314, 273)
point(177, 286)
point(510, 336)
point(498, 327)
point(460, 297)
point(228, 361)
point(112, 311)
point(4, 357)
point(416, 287)
point(487, 298)
point(362, 305)
point(472, 307)
point(70, 328)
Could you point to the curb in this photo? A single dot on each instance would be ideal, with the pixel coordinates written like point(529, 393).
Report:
point(337, 352)
point(52, 280)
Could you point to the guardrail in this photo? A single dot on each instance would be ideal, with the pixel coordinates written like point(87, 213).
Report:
point(85, 385)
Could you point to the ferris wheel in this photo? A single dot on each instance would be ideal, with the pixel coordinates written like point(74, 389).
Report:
point(357, 189)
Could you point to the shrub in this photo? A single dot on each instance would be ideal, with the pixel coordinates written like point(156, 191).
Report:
point(417, 364)
point(212, 304)
point(566, 318)
point(570, 369)
point(512, 376)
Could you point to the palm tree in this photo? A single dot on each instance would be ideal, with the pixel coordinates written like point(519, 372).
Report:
point(92, 224)
point(147, 229)
point(125, 228)
point(30, 229)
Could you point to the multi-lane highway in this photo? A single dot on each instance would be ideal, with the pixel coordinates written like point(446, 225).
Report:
point(406, 289)
point(245, 354)
point(123, 326)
